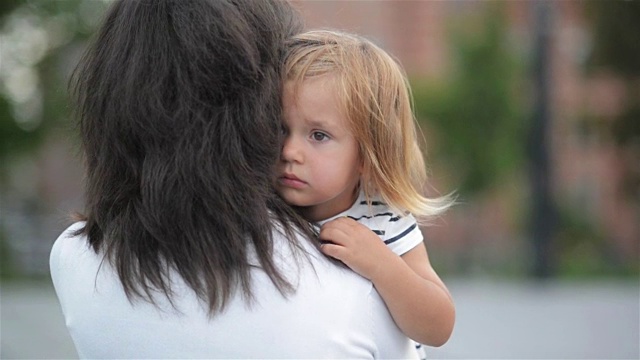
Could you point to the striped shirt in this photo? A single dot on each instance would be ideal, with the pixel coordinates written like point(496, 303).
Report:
point(400, 232)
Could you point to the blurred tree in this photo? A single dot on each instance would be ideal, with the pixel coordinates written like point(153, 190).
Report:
point(40, 39)
point(616, 35)
point(7, 6)
point(478, 130)
point(616, 46)
point(40, 42)
point(484, 129)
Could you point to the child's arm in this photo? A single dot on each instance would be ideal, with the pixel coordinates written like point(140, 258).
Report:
point(417, 299)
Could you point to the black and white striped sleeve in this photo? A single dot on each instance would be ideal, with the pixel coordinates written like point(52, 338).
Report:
point(402, 233)
point(399, 233)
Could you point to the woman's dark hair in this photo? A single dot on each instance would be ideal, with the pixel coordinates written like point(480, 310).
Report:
point(179, 112)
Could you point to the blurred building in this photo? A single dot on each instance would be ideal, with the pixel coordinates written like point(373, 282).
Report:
point(587, 167)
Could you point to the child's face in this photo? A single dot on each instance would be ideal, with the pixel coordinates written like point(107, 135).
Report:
point(320, 164)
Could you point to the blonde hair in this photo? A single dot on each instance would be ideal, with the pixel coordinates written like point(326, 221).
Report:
point(376, 98)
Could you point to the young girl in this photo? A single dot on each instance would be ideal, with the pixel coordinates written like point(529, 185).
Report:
point(352, 164)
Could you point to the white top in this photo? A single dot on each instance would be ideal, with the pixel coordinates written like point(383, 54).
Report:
point(400, 232)
point(334, 313)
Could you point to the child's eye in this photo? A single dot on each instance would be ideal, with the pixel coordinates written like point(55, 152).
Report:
point(319, 136)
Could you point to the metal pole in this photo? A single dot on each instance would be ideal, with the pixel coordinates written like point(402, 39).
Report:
point(543, 212)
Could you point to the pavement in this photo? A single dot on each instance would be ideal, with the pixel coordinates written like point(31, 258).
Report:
point(31, 323)
point(495, 320)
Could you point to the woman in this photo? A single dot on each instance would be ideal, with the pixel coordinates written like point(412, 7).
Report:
point(184, 250)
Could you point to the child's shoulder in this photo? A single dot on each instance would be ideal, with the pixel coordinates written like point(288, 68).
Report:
point(398, 230)
point(366, 208)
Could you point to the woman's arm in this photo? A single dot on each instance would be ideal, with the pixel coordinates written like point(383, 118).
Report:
point(417, 299)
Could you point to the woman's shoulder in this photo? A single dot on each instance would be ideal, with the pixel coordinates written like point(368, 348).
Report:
point(69, 246)
point(70, 238)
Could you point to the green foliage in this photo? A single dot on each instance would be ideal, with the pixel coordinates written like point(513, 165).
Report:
point(7, 6)
point(475, 117)
point(39, 38)
point(616, 46)
point(40, 42)
point(616, 36)
point(14, 139)
point(7, 268)
point(583, 250)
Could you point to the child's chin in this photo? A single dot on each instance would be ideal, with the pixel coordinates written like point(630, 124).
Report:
point(289, 200)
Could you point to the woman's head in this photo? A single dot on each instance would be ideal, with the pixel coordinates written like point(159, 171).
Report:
point(194, 79)
point(374, 95)
point(178, 107)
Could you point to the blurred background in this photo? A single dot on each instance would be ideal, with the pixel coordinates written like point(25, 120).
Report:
point(530, 112)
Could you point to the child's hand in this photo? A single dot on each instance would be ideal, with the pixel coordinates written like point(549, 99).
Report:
point(355, 245)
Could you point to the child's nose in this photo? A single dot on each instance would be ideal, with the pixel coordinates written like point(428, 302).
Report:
point(291, 151)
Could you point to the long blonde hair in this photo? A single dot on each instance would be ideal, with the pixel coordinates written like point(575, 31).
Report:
point(376, 99)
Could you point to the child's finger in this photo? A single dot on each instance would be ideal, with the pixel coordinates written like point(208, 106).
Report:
point(344, 222)
point(333, 234)
point(333, 250)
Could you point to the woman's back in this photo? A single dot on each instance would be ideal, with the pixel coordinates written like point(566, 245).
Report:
point(178, 106)
point(334, 313)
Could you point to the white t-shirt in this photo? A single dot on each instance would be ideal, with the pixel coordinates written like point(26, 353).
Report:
point(399, 232)
point(333, 314)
